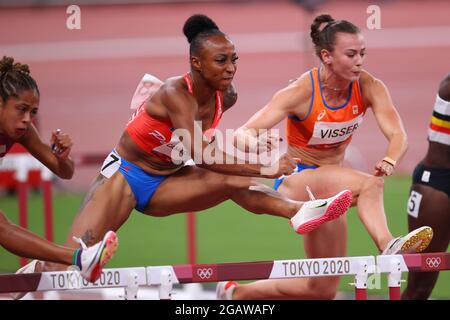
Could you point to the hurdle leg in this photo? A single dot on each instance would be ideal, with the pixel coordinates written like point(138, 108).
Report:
point(132, 287)
point(46, 177)
point(361, 282)
point(191, 238)
point(166, 285)
point(22, 189)
point(393, 266)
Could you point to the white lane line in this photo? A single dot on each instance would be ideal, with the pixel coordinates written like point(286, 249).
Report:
point(277, 42)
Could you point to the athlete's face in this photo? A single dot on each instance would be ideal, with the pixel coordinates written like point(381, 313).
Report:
point(217, 61)
point(16, 114)
point(347, 58)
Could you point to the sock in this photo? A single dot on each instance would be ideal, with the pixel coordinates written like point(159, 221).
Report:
point(76, 258)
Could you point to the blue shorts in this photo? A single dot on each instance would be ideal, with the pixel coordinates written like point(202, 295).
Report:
point(142, 184)
point(300, 167)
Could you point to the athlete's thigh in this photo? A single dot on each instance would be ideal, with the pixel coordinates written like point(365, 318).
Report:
point(330, 239)
point(108, 204)
point(430, 207)
point(193, 189)
point(324, 182)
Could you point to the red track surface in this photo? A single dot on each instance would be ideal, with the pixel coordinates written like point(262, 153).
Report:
point(89, 98)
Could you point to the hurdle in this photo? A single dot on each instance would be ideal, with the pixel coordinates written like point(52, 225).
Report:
point(164, 277)
point(395, 265)
point(128, 278)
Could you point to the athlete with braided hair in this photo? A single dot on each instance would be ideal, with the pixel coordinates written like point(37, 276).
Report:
point(19, 103)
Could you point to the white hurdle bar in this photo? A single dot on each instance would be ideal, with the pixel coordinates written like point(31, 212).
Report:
point(165, 277)
point(128, 278)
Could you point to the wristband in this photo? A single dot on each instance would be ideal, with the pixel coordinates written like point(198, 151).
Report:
point(391, 161)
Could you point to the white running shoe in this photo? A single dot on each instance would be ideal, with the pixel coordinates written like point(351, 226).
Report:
point(316, 212)
point(91, 260)
point(225, 289)
point(414, 242)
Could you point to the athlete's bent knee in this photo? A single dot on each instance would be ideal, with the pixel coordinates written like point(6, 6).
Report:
point(374, 183)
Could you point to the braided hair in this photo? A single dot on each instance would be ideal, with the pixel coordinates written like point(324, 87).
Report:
point(15, 78)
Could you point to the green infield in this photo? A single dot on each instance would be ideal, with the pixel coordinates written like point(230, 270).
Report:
point(225, 233)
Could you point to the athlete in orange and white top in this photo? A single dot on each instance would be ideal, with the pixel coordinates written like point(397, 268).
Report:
point(324, 108)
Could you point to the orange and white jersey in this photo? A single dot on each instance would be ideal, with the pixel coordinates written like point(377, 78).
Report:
point(326, 126)
point(439, 129)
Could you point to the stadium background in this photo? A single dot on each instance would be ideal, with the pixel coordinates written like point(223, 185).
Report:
point(87, 78)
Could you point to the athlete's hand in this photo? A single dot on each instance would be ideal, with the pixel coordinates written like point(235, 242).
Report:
point(256, 141)
point(383, 168)
point(269, 140)
point(284, 166)
point(61, 144)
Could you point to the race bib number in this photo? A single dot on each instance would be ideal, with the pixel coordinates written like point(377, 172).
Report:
point(111, 165)
point(414, 203)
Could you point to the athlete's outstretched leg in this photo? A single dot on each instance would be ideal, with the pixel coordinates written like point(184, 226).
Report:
point(329, 240)
point(107, 206)
point(207, 189)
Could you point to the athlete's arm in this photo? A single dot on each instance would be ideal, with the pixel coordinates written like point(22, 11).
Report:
point(58, 161)
point(181, 108)
point(282, 104)
point(378, 98)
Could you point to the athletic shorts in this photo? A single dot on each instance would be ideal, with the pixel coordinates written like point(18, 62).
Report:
point(142, 184)
point(300, 167)
point(436, 178)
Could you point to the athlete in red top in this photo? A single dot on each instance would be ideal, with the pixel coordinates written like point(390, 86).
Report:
point(19, 103)
point(142, 172)
point(154, 136)
point(324, 108)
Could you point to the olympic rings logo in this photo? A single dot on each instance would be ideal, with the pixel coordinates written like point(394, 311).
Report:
point(433, 262)
point(205, 273)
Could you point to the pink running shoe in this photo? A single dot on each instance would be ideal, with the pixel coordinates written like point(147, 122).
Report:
point(316, 212)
